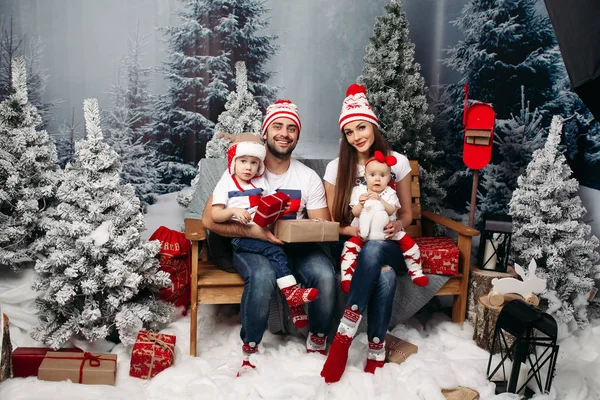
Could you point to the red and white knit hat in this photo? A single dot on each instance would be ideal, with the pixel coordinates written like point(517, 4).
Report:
point(239, 149)
point(281, 109)
point(356, 107)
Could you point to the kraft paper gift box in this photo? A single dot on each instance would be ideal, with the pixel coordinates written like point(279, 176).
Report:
point(91, 369)
point(270, 208)
point(307, 230)
point(152, 353)
point(398, 350)
point(27, 360)
point(439, 255)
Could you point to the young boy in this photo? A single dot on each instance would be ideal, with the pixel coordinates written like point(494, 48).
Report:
point(236, 197)
point(377, 176)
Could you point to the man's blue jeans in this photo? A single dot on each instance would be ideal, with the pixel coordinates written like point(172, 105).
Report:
point(273, 252)
point(372, 288)
point(311, 267)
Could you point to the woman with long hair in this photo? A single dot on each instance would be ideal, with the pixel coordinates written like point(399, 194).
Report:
point(373, 266)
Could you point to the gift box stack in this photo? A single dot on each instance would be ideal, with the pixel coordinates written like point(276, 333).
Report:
point(307, 230)
point(439, 255)
point(152, 353)
point(270, 208)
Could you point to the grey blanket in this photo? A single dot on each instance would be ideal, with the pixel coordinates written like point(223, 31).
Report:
point(409, 297)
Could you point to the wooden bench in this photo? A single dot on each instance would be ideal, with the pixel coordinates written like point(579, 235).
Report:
point(210, 285)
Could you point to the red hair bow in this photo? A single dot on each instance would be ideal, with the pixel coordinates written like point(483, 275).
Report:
point(388, 160)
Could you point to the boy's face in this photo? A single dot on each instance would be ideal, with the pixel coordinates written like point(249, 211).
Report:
point(377, 175)
point(246, 167)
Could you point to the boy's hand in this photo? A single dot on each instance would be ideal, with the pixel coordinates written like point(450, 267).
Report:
point(241, 215)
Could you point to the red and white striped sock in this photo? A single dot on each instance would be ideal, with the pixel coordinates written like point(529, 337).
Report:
point(316, 343)
point(375, 355)
point(349, 259)
point(247, 350)
point(299, 317)
point(294, 294)
point(338, 352)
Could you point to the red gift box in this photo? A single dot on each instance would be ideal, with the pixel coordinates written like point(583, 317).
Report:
point(270, 208)
point(152, 353)
point(27, 360)
point(439, 255)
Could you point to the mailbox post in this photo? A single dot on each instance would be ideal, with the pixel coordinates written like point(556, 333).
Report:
point(479, 119)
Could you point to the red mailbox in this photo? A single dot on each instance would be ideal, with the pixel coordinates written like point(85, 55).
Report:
point(478, 119)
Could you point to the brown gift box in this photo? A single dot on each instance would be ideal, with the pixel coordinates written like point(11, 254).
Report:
point(96, 369)
point(307, 230)
point(398, 350)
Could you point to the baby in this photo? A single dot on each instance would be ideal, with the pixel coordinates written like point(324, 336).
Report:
point(373, 207)
point(236, 197)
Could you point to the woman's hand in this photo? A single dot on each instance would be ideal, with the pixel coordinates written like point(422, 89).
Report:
point(392, 228)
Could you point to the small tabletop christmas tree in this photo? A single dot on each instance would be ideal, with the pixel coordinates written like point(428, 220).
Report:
point(547, 227)
point(28, 172)
point(98, 274)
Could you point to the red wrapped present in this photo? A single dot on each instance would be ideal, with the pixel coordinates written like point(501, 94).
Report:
point(152, 353)
point(270, 208)
point(439, 255)
point(27, 360)
point(174, 258)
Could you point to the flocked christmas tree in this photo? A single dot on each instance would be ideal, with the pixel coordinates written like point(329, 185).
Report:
point(98, 276)
point(128, 120)
point(397, 94)
point(547, 227)
point(28, 172)
point(241, 114)
point(515, 140)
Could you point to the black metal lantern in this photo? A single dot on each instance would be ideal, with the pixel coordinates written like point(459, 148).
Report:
point(535, 334)
point(494, 246)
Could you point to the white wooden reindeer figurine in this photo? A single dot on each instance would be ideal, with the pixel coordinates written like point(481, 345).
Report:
point(527, 288)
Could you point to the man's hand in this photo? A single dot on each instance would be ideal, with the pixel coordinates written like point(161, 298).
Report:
point(241, 215)
point(265, 234)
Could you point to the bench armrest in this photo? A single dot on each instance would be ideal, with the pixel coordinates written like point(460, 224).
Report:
point(194, 230)
point(461, 229)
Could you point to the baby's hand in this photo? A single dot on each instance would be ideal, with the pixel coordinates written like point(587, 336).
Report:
point(362, 199)
point(241, 215)
point(373, 196)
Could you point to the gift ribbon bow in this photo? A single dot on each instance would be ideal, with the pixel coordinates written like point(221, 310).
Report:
point(94, 361)
point(378, 156)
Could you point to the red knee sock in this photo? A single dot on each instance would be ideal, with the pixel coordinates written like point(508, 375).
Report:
point(338, 353)
point(375, 356)
point(348, 261)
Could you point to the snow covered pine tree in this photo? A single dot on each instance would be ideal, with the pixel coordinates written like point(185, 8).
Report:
point(398, 96)
point(28, 173)
point(548, 227)
point(98, 275)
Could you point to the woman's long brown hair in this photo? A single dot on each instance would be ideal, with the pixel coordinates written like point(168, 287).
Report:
point(347, 174)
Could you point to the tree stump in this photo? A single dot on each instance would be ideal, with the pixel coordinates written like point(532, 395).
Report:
point(5, 361)
point(485, 323)
point(480, 283)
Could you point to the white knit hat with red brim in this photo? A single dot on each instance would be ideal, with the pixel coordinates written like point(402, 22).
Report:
point(282, 109)
point(239, 149)
point(356, 107)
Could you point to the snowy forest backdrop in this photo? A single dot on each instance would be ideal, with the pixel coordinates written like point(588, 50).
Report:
point(306, 51)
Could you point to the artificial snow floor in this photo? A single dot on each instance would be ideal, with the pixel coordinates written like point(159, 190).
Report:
point(447, 358)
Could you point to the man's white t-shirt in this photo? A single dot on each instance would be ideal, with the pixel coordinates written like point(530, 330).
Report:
point(304, 187)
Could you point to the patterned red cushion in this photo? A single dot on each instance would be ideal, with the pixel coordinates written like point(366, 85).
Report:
point(439, 255)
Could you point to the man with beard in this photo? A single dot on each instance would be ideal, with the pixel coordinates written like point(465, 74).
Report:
point(309, 263)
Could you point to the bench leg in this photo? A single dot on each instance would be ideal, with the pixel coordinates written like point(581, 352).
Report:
point(194, 299)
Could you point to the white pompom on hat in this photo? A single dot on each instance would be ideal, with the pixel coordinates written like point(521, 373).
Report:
point(356, 107)
point(282, 109)
point(239, 149)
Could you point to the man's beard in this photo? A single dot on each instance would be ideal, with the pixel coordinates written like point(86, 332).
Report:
point(276, 152)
